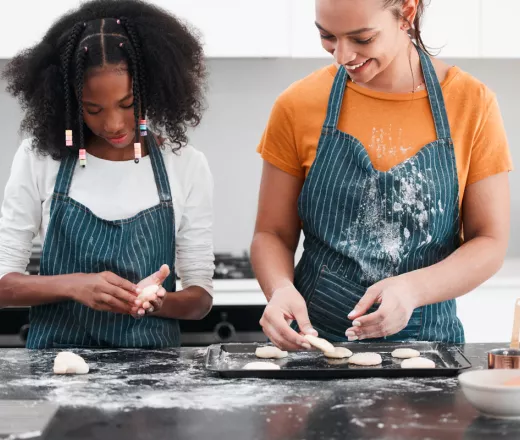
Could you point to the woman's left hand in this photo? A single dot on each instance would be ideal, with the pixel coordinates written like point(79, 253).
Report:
point(398, 297)
point(155, 302)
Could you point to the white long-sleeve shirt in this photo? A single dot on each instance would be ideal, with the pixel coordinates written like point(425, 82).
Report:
point(112, 191)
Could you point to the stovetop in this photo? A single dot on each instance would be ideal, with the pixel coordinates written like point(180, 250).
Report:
point(228, 266)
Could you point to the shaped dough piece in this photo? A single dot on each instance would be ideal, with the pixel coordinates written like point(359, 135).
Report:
point(148, 292)
point(418, 362)
point(366, 359)
point(320, 343)
point(261, 366)
point(270, 353)
point(67, 362)
point(338, 353)
point(405, 353)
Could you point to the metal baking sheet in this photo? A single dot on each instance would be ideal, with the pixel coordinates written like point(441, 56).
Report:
point(228, 360)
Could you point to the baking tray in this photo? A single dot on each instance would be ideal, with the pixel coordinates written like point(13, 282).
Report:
point(228, 360)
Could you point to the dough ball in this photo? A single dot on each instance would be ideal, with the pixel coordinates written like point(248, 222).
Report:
point(270, 353)
point(148, 292)
point(405, 353)
point(338, 353)
point(320, 343)
point(261, 366)
point(417, 362)
point(67, 362)
point(366, 359)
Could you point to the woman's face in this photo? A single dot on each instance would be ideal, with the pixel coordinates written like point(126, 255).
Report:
point(108, 108)
point(362, 35)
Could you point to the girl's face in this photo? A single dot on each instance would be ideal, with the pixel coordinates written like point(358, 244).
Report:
point(108, 108)
point(362, 35)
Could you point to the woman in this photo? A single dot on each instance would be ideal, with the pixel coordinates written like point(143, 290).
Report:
point(381, 158)
point(111, 83)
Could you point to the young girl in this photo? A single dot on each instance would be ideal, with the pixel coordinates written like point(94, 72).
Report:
point(395, 165)
point(106, 179)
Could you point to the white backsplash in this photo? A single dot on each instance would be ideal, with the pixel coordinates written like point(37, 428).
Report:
point(241, 93)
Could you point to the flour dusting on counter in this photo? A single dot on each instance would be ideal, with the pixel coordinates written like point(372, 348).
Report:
point(130, 379)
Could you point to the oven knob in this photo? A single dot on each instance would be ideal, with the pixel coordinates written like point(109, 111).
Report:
point(24, 331)
point(224, 330)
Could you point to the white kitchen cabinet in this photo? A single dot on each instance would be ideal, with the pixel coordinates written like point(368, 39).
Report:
point(450, 25)
point(305, 38)
point(229, 28)
point(25, 22)
point(237, 28)
point(453, 27)
point(500, 29)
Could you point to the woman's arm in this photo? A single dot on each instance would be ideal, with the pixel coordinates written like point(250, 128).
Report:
point(486, 217)
point(486, 231)
point(275, 240)
point(194, 249)
point(277, 230)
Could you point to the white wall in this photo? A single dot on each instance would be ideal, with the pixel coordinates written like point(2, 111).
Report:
point(241, 93)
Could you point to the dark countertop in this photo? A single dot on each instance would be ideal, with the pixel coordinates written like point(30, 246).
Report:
point(156, 394)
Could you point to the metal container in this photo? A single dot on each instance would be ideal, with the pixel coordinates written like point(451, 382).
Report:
point(504, 358)
point(508, 358)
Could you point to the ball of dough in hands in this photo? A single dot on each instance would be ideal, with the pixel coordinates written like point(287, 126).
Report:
point(270, 353)
point(67, 362)
point(320, 343)
point(148, 293)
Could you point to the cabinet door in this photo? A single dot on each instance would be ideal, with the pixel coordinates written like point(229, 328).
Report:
point(305, 38)
point(237, 28)
point(25, 22)
point(499, 29)
point(452, 27)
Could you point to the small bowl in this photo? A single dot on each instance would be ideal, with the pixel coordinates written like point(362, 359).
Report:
point(485, 391)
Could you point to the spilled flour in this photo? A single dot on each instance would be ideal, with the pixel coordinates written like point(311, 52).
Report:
point(394, 218)
point(122, 380)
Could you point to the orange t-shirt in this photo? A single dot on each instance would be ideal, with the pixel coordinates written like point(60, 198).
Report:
point(392, 126)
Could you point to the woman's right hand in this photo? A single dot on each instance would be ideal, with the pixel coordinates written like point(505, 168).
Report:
point(103, 291)
point(286, 305)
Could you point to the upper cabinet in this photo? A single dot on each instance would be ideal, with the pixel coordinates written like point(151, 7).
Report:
point(237, 28)
point(305, 38)
point(451, 28)
point(25, 22)
point(499, 28)
point(285, 28)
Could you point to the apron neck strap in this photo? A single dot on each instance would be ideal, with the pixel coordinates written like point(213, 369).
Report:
point(68, 166)
point(437, 105)
point(433, 87)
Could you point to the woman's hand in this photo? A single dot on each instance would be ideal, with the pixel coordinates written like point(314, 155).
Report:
point(103, 291)
point(154, 301)
point(398, 299)
point(286, 305)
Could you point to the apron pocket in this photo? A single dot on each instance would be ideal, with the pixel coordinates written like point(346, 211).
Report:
point(334, 297)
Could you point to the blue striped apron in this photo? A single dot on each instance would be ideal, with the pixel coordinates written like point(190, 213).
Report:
point(362, 225)
point(77, 241)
